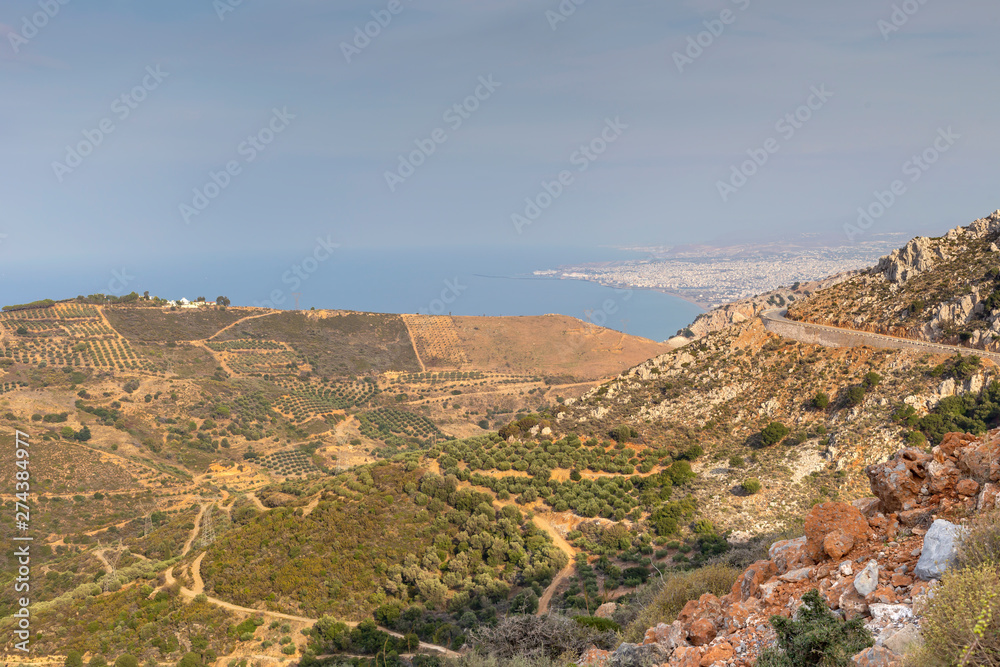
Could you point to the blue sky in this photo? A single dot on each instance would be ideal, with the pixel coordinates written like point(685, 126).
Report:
point(558, 86)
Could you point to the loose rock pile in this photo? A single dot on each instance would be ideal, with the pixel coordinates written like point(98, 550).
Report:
point(876, 558)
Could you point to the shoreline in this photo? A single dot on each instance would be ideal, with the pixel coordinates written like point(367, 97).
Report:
point(622, 286)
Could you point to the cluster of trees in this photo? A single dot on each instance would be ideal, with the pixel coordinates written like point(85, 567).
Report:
point(967, 413)
point(44, 303)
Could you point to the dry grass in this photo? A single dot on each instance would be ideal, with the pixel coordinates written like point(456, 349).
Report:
point(677, 590)
point(962, 624)
point(982, 545)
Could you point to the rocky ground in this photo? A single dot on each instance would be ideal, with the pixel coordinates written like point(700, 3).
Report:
point(936, 289)
point(876, 558)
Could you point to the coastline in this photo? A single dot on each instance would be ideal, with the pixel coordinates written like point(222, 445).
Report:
point(705, 306)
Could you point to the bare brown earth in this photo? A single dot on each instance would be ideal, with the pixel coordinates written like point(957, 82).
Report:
point(550, 345)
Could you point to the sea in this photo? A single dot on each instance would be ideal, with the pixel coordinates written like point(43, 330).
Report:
point(491, 281)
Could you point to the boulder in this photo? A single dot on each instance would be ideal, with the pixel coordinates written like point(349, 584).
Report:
point(876, 656)
point(686, 656)
point(717, 653)
point(939, 551)
point(701, 632)
point(826, 518)
point(638, 655)
point(789, 554)
point(748, 584)
point(671, 636)
point(967, 487)
point(866, 581)
point(904, 640)
point(898, 481)
point(838, 544)
point(987, 499)
point(594, 657)
point(606, 610)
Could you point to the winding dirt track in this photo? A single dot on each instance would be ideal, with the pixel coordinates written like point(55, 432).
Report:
point(563, 574)
point(199, 589)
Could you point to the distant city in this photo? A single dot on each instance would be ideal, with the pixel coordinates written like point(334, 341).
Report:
point(714, 275)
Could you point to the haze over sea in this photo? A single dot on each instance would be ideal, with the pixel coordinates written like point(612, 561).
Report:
point(460, 281)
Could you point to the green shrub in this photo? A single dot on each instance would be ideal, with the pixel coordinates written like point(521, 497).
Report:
point(816, 636)
point(855, 395)
point(74, 659)
point(752, 485)
point(821, 400)
point(601, 624)
point(736, 462)
point(773, 433)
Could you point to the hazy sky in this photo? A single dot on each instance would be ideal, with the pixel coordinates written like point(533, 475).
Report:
point(204, 81)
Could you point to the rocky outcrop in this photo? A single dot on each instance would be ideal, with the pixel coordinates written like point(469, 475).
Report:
point(858, 556)
point(921, 254)
point(917, 256)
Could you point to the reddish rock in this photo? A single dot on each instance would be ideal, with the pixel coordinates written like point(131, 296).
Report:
point(737, 614)
point(916, 517)
point(789, 554)
point(967, 487)
point(701, 632)
point(901, 580)
point(987, 499)
point(826, 518)
point(980, 459)
point(868, 506)
point(876, 656)
point(686, 656)
point(892, 527)
point(594, 657)
point(748, 583)
point(942, 477)
point(952, 442)
point(852, 604)
point(882, 595)
point(838, 544)
point(689, 611)
point(717, 653)
point(898, 481)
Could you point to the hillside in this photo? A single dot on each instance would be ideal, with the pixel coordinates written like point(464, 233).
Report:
point(217, 481)
point(944, 289)
point(158, 432)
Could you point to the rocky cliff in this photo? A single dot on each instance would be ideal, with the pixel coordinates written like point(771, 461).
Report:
point(877, 558)
point(944, 289)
